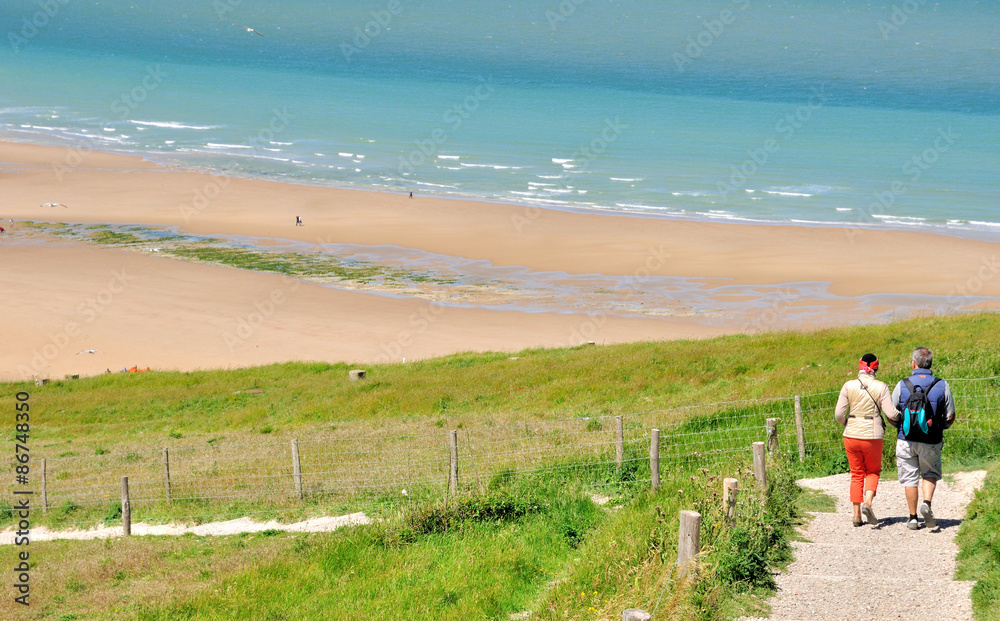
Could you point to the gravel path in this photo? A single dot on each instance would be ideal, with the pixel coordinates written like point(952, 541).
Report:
point(885, 571)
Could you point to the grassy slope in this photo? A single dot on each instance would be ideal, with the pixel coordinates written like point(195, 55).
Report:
point(979, 540)
point(617, 559)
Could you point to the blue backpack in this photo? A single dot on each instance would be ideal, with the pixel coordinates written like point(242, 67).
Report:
point(919, 422)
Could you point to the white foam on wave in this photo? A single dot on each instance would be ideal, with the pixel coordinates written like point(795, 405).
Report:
point(435, 185)
point(626, 179)
point(987, 224)
point(556, 160)
point(493, 166)
point(844, 209)
point(449, 157)
point(174, 125)
point(690, 193)
point(550, 176)
point(216, 145)
point(912, 219)
point(535, 184)
point(779, 193)
point(346, 154)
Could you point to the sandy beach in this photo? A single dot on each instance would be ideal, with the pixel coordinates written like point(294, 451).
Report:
point(135, 309)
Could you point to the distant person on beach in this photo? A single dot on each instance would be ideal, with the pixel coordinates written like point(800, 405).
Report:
point(411, 194)
point(859, 410)
point(925, 408)
point(298, 221)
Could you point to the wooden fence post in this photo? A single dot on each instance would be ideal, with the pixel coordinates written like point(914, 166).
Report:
point(296, 469)
point(730, 489)
point(654, 458)
point(800, 431)
point(619, 442)
point(126, 509)
point(688, 542)
point(453, 470)
point(759, 465)
point(771, 426)
point(166, 473)
point(636, 614)
point(45, 489)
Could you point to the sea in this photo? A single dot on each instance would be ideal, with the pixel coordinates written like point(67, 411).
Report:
point(859, 113)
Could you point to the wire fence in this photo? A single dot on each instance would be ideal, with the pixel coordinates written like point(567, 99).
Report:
point(359, 472)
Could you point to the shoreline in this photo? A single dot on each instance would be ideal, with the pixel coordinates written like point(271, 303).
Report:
point(617, 278)
point(988, 234)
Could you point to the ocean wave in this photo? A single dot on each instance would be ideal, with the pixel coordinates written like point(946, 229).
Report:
point(550, 176)
point(691, 193)
point(912, 219)
point(794, 190)
point(435, 185)
point(780, 193)
point(217, 145)
point(174, 125)
point(448, 157)
point(986, 224)
point(624, 179)
point(556, 160)
point(493, 166)
point(346, 154)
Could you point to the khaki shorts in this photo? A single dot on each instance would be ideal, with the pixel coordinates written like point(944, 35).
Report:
point(916, 460)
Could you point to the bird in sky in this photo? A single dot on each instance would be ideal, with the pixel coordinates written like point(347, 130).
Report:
point(249, 29)
point(53, 205)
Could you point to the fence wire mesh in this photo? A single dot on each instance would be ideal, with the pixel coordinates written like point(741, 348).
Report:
point(357, 472)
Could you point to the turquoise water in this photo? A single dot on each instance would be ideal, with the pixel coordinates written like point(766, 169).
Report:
point(865, 113)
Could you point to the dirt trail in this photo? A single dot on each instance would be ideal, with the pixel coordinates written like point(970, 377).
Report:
point(230, 527)
point(879, 572)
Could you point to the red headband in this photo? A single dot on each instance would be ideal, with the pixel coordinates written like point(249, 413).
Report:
point(868, 367)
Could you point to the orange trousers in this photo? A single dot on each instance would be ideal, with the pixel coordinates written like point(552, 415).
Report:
point(865, 459)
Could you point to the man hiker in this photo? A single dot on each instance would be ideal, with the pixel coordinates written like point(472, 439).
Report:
point(924, 409)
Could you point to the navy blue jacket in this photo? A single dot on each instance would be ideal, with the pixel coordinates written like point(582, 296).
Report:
point(940, 398)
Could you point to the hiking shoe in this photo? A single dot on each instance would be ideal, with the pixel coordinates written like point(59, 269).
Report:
point(913, 524)
point(929, 521)
point(869, 514)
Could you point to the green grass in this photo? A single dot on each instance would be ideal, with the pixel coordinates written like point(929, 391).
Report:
point(979, 540)
point(527, 543)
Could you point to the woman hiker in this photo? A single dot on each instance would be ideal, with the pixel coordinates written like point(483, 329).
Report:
point(859, 410)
